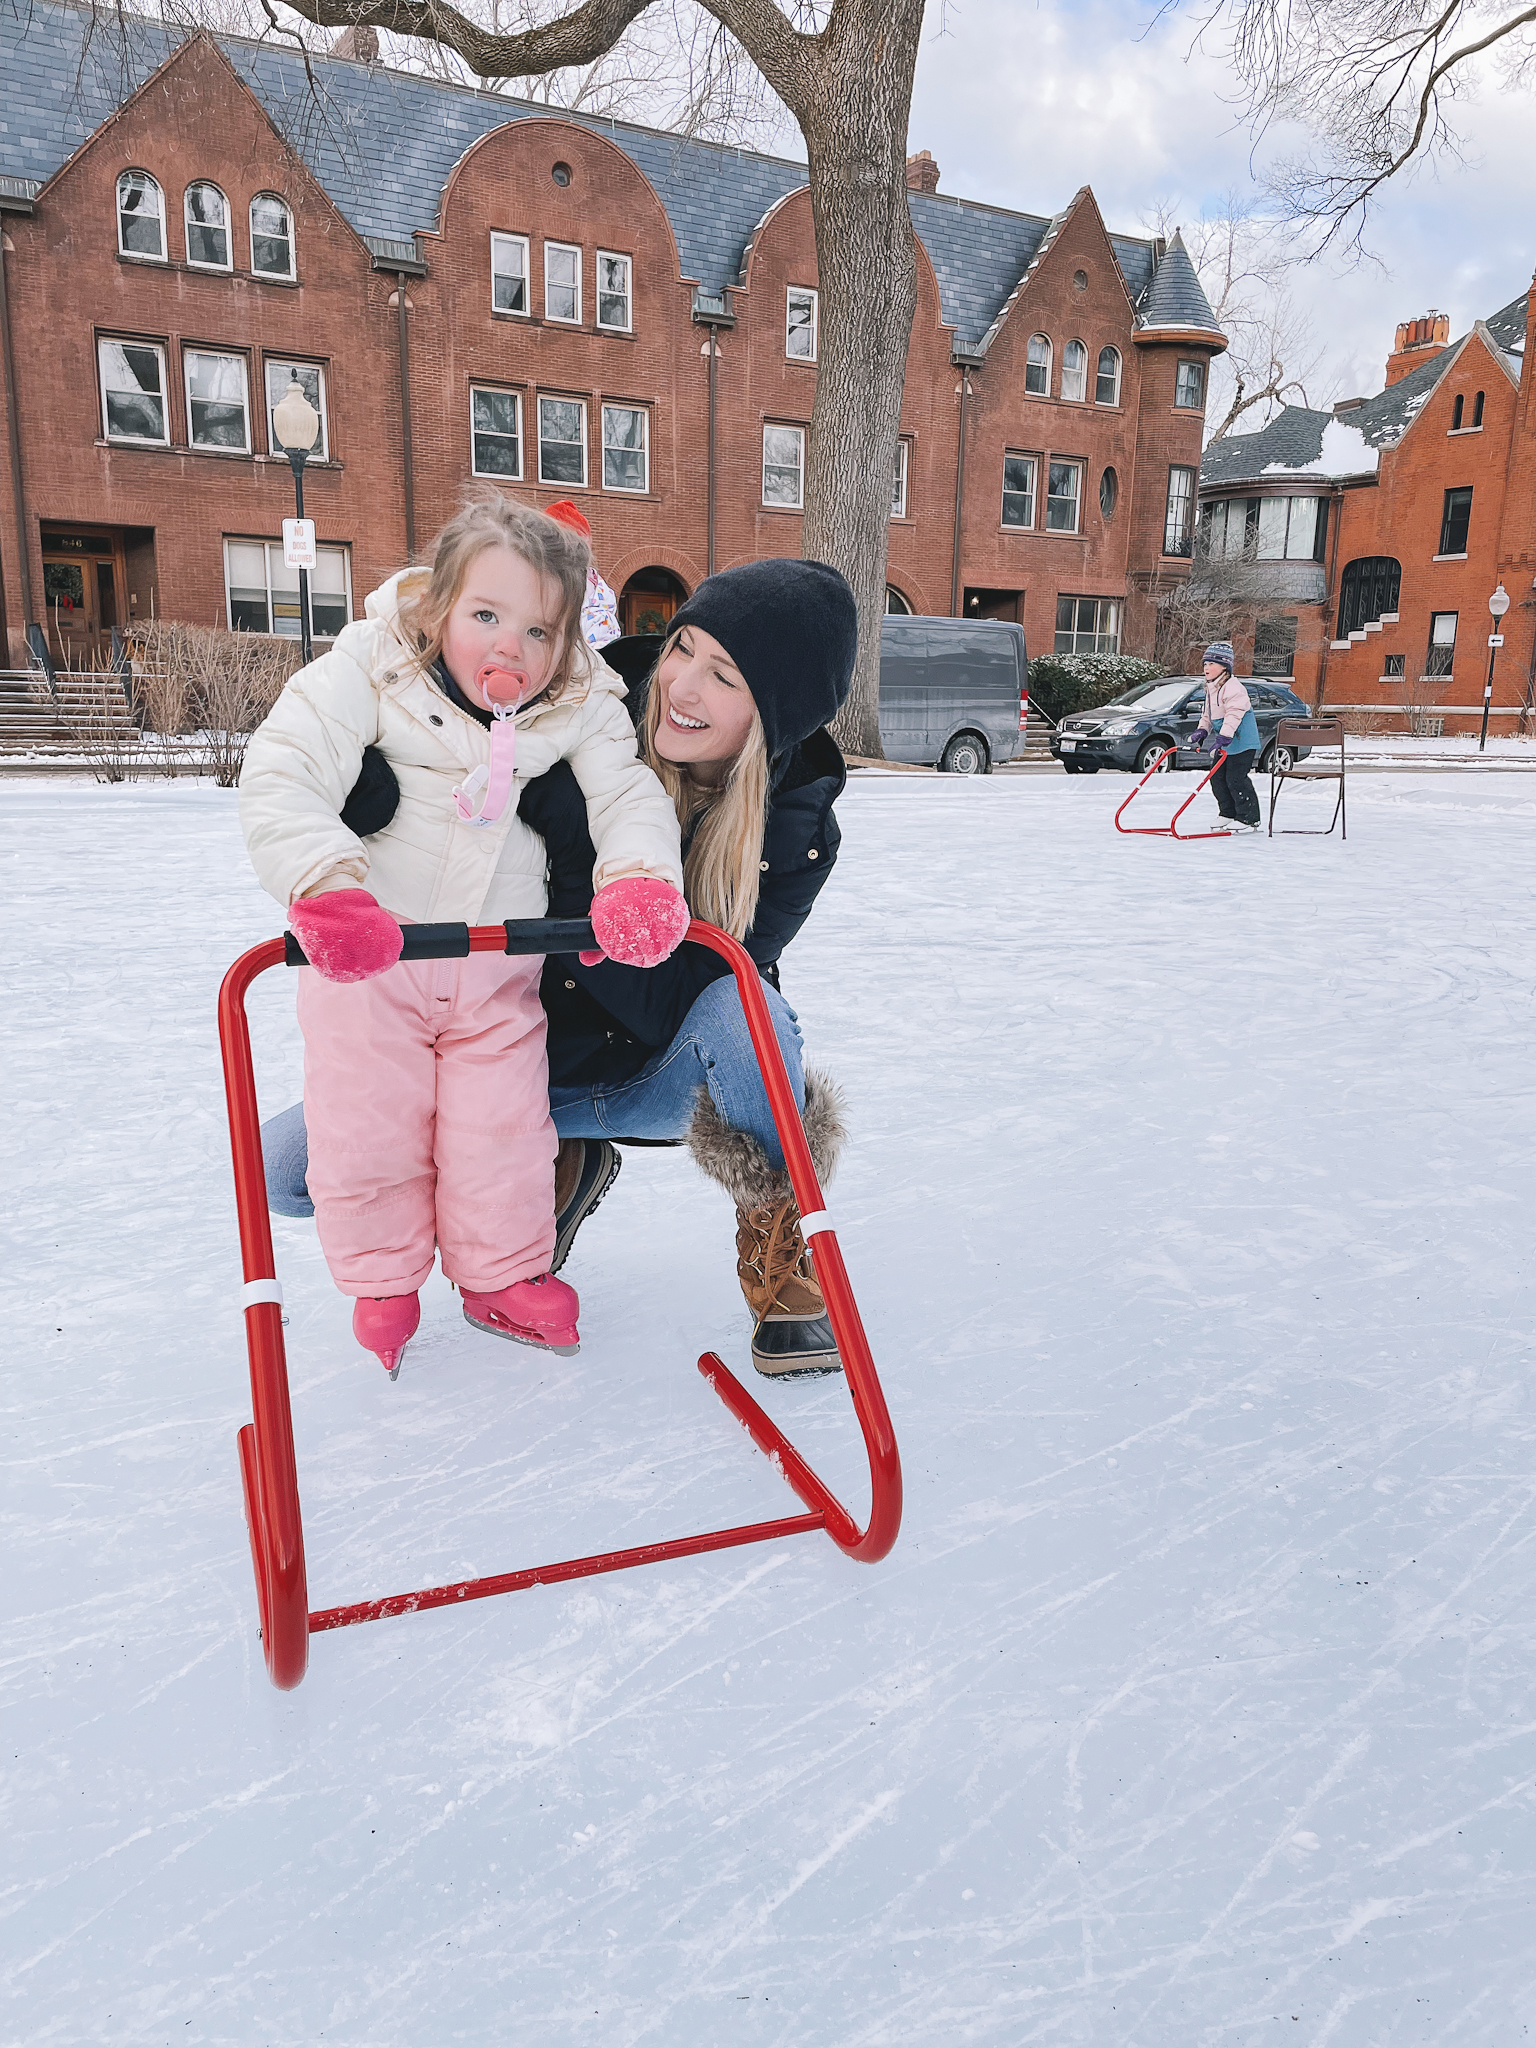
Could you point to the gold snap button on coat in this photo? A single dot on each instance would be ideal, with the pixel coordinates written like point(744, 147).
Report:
point(811, 854)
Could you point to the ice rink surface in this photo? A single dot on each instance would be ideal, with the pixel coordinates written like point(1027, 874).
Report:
point(1190, 1212)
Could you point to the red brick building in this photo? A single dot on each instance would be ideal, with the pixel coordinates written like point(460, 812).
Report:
point(468, 287)
point(1378, 532)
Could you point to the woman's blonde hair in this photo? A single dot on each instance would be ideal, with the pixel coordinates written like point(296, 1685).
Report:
point(486, 519)
point(720, 875)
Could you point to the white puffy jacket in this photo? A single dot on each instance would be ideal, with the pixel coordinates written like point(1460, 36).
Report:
point(426, 866)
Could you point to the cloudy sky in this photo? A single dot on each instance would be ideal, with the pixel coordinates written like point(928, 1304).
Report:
point(1022, 101)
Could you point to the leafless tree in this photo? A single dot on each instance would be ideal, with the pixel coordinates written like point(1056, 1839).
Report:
point(1273, 356)
point(844, 71)
point(1376, 82)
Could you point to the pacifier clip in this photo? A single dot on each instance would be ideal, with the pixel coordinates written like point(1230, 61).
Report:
point(482, 796)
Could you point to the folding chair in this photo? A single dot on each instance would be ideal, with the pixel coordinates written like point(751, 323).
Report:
point(1291, 735)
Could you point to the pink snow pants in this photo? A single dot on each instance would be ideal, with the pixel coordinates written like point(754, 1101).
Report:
point(426, 1100)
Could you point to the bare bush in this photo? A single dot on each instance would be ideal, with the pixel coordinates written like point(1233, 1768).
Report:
point(211, 687)
point(93, 710)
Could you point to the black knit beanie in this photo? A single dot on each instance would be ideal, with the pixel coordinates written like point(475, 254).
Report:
point(792, 629)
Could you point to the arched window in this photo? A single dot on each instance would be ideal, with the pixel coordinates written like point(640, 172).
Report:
point(1368, 588)
point(1074, 372)
point(140, 216)
point(1109, 493)
point(1456, 413)
point(271, 236)
point(1107, 390)
point(1477, 410)
point(207, 212)
point(1037, 370)
point(896, 603)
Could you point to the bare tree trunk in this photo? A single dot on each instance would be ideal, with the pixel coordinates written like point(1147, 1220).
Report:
point(855, 127)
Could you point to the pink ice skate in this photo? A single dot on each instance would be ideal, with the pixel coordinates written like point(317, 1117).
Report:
point(541, 1312)
point(386, 1325)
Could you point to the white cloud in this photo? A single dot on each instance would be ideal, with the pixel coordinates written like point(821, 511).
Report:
point(1022, 103)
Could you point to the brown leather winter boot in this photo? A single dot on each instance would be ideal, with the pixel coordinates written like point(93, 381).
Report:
point(792, 1332)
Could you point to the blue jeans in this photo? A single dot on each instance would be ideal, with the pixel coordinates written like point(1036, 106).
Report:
point(712, 1050)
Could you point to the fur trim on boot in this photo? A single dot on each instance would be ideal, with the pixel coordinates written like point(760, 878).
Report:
point(738, 1162)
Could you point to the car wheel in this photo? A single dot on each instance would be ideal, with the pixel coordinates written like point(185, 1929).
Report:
point(1148, 756)
point(966, 754)
point(1081, 767)
point(1283, 758)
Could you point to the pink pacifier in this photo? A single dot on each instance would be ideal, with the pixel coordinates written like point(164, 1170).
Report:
point(482, 796)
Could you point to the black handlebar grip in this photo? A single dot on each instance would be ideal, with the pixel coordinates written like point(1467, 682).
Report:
point(451, 941)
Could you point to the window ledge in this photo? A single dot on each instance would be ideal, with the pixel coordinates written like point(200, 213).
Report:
point(1040, 533)
point(183, 269)
point(1448, 558)
point(150, 262)
point(785, 511)
point(211, 454)
point(281, 462)
point(1451, 431)
point(801, 362)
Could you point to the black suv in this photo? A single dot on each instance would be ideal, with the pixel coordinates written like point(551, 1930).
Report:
point(1135, 728)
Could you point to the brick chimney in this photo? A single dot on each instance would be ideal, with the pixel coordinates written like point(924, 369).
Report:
point(922, 173)
point(1416, 342)
point(361, 44)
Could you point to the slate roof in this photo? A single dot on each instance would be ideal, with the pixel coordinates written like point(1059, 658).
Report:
point(383, 142)
point(1174, 297)
point(1295, 435)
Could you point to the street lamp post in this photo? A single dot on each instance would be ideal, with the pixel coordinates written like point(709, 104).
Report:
point(298, 425)
point(1498, 605)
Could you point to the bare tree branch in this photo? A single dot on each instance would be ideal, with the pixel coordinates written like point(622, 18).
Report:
point(1372, 80)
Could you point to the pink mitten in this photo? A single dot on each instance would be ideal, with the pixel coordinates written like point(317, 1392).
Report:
point(637, 921)
point(345, 934)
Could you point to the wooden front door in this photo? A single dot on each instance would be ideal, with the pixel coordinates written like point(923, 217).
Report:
point(646, 611)
point(83, 594)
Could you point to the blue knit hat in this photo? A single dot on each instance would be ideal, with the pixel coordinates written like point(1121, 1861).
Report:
point(1220, 650)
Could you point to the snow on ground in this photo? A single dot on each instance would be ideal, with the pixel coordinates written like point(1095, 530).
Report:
point(1189, 1211)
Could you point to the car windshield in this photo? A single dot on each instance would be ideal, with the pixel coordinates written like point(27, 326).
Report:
point(1150, 698)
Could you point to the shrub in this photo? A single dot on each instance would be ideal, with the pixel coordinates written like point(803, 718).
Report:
point(201, 680)
point(1063, 683)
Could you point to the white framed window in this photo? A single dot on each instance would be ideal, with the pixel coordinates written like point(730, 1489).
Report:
point(784, 467)
point(272, 237)
point(280, 373)
point(1074, 372)
point(1019, 473)
point(899, 489)
point(1189, 387)
point(1063, 497)
point(562, 282)
point(626, 448)
point(140, 216)
point(1107, 385)
point(562, 441)
point(495, 432)
point(1037, 366)
point(509, 273)
point(1442, 645)
point(263, 593)
point(1179, 519)
point(614, 292)
point(1087, 625)
point(133, 392)
point(802, 318)
point(218, 409)
point(207, 218)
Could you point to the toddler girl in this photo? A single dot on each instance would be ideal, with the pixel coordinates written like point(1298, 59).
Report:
point(425, 1087)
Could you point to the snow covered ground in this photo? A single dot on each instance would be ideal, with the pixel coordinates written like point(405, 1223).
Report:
point(1189, 1211)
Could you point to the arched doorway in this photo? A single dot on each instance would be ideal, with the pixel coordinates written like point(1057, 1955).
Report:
point(648, 600)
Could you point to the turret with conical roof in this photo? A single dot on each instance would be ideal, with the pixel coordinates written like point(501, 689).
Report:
point(1175, 299)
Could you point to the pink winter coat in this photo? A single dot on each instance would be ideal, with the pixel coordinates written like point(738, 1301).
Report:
point(1226, 705)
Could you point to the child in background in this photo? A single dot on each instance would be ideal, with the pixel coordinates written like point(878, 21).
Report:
point(600, 611)
point(425, 1087)
point(1228, 721)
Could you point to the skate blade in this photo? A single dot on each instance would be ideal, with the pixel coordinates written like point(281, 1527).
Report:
point(554, 1340)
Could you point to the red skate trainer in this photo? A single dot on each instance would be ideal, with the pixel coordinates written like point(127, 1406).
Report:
point(386, 1325)
point(541, 1312)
